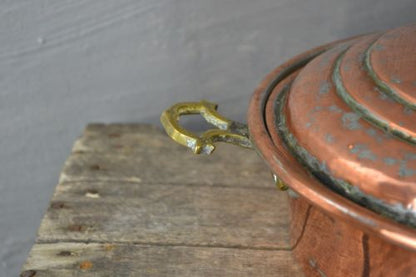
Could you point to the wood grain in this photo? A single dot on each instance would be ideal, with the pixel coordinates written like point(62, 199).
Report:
point(64, 259)
point(132, 203)
point(172, 214)
point(134, 156)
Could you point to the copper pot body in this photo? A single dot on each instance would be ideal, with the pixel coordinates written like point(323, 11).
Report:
point(331, 235)
point(326, 246)
point(353, 204)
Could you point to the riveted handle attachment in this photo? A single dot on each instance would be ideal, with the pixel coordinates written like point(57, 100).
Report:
point(226, 131)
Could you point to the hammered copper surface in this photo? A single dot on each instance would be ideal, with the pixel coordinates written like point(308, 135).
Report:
point(393, 59)
point(358, 90)
point(348, 131)
point(265, 134)
point(342, 249)
point(336, 125)
point(334, 140)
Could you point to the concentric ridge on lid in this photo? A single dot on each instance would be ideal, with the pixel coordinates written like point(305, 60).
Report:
point(348, 117)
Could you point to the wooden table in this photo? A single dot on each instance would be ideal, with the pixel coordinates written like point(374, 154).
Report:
point(130, 202)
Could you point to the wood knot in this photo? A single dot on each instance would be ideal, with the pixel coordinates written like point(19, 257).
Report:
point(85, 265)
point(28, 273)
point(64, 253)
point(114, 135)
point(109, 247)
point(95, 167)
point(76, 228)
point(57, 205)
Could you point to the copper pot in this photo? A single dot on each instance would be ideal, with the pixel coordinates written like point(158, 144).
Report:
point(337, 126)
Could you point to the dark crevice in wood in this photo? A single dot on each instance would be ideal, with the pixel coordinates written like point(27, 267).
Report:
point(239, 247)
point(366, 256)
point(110, 153)
point(308, 211)
point(272, 187)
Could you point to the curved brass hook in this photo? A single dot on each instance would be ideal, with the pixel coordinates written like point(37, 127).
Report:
point(228, 130)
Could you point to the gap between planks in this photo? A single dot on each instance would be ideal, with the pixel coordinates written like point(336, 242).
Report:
point(219, 246)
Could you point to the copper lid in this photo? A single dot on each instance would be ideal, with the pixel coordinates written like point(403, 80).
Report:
point(346, 113)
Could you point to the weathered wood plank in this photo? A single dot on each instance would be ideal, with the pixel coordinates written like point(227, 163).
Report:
point(132, 203)
point(134, 139)
point(191, 215)
point(153, 168)
point(125, 139)
point(79, 259)
point(119, 154)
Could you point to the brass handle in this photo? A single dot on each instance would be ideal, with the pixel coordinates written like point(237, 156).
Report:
point(228, 130)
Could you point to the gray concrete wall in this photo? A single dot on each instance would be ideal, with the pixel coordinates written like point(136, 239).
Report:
point(66, 63)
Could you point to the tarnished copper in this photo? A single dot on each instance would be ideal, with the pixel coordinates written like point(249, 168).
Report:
point(344, 143)
point(328, 119)
point(391, 61)
point(337, 125)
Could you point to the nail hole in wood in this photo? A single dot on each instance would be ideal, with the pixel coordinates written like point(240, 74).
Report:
point(58, 205)
point(64, 253)
point(28, 273)
point(95, 167)
point(76, 228)
point(114, 135)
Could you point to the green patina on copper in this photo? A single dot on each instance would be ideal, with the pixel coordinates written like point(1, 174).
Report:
point(325, 87)
point(407, 111)
point(284, 73)
point(389, 161)
point(320, 170)
point(361, 111)
point(395, 79)
point(371, 132)
point(404, 171)
point(351, 121)
point(383, 96)
point(362, 151)
point(335, 109)
point(329, 138)
point(379, 47)
point(381, 84)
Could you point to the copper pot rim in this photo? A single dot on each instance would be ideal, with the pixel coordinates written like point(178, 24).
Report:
point(292, 172)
